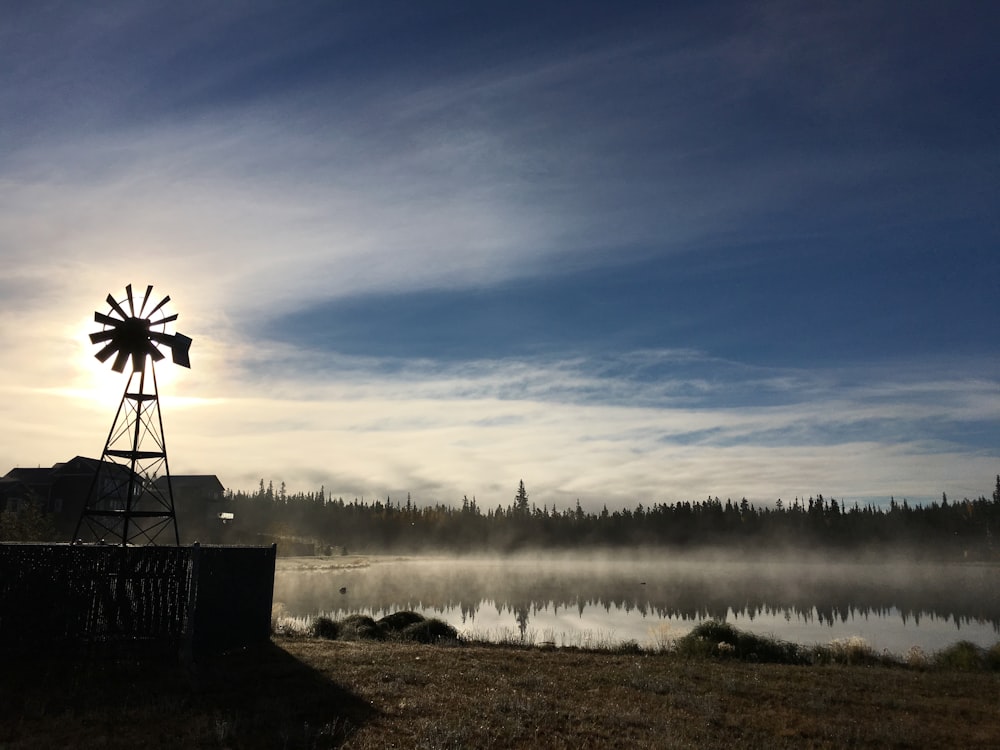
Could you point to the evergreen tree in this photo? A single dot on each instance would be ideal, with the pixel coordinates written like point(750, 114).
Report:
point(521, 500)
point(29, 523)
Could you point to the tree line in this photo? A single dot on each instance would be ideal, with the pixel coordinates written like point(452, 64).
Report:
point(963, 529)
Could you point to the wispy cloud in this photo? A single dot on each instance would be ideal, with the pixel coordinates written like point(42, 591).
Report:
point(652, 255)
point(440, 435)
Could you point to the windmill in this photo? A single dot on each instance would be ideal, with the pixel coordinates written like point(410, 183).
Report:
point(131, 499)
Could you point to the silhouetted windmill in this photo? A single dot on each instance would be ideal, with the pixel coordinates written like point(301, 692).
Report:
point(126, 504)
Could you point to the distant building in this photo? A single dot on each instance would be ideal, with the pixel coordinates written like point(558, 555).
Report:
point(203, 514)
point(62, 490)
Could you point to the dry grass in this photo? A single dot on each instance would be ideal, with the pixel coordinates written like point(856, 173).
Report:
point(308, 693)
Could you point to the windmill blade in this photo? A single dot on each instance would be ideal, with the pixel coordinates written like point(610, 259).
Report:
point(128, 336)
point(163, 321)
point(106, 320)
point(107, 351)
point(163, 301)
point(101, 336)
point(120, 360)
point(145, 299)
point(180, 348)
point(116, 307)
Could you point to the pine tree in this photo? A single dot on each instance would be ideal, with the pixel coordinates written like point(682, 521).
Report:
point(521, 500)
point(30, 523)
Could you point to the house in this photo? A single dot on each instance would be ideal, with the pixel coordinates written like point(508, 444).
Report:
point(19, 486)
point(203, 514)
point(62, 490)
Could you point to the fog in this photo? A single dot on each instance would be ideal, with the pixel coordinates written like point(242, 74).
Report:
point(639, 597)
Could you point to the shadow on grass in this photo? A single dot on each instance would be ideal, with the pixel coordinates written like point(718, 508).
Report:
point(118, 696)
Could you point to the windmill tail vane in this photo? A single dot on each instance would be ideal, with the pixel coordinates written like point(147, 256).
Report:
point(131, 496)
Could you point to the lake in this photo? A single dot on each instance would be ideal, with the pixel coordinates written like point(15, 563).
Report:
point(649, 599)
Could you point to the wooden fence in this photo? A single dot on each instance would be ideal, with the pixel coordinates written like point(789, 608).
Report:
point(199, 598)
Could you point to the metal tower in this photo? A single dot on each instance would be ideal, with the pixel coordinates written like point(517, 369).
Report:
point(131, 500)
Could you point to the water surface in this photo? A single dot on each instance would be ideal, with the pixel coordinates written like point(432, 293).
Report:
point(650, 599)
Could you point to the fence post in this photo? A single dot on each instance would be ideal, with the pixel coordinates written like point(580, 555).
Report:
point(194, 570)
point(270, 593)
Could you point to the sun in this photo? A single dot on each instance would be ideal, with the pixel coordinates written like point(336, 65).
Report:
point(95, 382)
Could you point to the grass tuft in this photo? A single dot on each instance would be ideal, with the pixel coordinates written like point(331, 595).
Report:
point(917, 658)
point(993, 657)
point(713, 639)
point(721, 640)
point(324, 627)
point(399, 621)
point(963, 656)
point(398, 626)
point(360, 628)
point(626, 647)
point(850, 651)
point(429, 631)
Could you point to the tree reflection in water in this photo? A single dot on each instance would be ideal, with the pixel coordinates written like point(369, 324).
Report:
point(687, 590)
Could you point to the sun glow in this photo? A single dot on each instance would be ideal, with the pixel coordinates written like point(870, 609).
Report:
point(95, 383)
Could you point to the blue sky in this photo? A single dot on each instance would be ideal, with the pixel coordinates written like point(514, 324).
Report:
point(628, 253)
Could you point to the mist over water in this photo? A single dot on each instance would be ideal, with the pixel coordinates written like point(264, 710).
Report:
point(574, 600)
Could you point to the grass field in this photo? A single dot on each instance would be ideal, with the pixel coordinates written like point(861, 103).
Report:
point(310, 693)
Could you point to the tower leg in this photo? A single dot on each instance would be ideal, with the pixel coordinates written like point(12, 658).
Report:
point(131, 499)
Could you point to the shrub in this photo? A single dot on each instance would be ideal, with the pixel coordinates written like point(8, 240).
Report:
point(324, 627)
point(704, 639)
point(398, 621)
point(662, 638)
point(853, 650)
point(627, 647)
point(964, 655)
point(360, 628)
point(719, 639)
point(429, 631)
point(277, 613)
point(993, 657)
point(917, 658)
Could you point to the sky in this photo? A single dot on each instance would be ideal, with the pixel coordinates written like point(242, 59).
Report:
point(624, 252)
